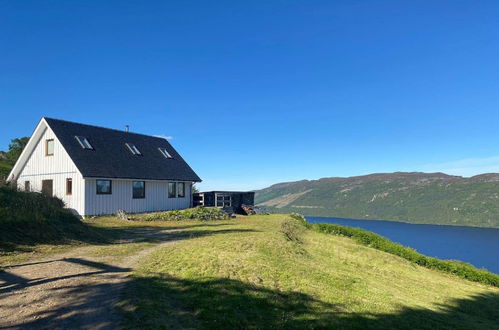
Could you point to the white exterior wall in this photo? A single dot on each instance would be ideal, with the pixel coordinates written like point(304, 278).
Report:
point(58, 168)
point(156, 198)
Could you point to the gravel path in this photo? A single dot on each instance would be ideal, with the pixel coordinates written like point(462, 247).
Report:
point(72, 290)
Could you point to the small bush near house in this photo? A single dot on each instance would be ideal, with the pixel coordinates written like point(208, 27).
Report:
point(197, 213)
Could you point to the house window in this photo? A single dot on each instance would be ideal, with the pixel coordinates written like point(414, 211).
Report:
point(181, 189)
point(224, 200)
point(133, 149)
point(103, 187)
point(27, 186)
point(165, 153)
point(49, 147)
point(172, 187)
point(83, 141)
point(69, 186)
point(139, 189)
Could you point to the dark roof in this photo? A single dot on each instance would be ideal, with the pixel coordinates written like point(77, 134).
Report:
point(110, 158)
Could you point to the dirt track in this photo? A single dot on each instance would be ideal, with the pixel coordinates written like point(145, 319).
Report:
point(72, 290)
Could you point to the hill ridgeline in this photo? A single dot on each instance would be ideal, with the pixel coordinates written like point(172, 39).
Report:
point(431, 198)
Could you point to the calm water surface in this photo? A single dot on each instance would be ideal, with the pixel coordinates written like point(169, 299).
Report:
point(477, 246)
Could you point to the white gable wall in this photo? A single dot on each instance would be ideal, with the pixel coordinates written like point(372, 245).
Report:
point(156, 198)
point(58, 168)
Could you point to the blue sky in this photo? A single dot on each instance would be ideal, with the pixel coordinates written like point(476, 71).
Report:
point(253, 93)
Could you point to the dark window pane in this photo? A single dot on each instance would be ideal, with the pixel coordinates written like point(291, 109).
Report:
point(103, 187)
point(69, 186)
point(139, 189)
point(181, 189)
point(172, 189)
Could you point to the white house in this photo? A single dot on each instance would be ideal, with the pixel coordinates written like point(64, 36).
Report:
point(97, 170)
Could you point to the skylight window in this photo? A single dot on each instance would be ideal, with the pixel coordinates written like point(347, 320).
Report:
point(165, 153)
point(84, 142)
point(133, 149)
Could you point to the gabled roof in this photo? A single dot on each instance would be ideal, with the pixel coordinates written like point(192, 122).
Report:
point(110, 157)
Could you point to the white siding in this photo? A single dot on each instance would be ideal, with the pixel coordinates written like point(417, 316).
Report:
point(156, 198)
point(58, 168)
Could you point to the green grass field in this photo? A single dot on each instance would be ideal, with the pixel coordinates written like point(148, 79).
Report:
point(251, 273)
point(257, 272)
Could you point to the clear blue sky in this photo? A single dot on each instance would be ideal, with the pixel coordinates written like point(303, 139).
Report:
point(259, 92)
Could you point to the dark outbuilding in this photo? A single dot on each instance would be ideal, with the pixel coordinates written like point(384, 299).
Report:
point(225, 199)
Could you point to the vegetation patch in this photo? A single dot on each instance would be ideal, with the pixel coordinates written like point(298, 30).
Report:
point(197, 213)
point(457, 268)
point(247, 274)
point(432, 198)
point(29, 218)
point(292, 230)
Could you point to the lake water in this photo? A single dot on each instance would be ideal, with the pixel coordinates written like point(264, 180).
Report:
point(477, 246)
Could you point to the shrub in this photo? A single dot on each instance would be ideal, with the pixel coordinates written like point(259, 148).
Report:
point(292, 230)
point(197, 213)
point(364, 237)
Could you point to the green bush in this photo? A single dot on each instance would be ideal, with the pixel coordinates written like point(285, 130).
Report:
point(197, 213)
point(292, 230)
point(376, 241)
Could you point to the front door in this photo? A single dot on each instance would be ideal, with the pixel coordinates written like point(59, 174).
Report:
point(47, 187)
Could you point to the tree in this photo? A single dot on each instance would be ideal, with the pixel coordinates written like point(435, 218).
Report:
point(15, 148)
point(9, 158)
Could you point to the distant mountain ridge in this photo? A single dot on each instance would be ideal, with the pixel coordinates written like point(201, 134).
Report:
point(434, 198)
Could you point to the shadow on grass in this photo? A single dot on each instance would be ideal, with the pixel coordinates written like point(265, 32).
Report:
point(92, 299)
point(23, 237)
point(10, 282)
point(158, 301)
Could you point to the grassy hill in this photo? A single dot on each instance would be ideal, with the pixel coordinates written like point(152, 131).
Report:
point(434, 198)
point(29, 220)
point(267, 272)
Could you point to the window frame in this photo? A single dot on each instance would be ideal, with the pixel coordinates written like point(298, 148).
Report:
point(174, 184)
point(69, 186)
point(143, 190)
point(103, 193)
point(165, 153)
point(180, 184)
point(84, 143)
point(223, 200)
point(133, 149)
point(47, 147)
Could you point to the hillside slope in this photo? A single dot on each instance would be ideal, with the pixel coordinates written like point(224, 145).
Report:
point(262, 272)
point(434, 198)
point(29, 219)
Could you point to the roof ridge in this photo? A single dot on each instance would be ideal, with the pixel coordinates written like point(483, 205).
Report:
point(102, 127)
